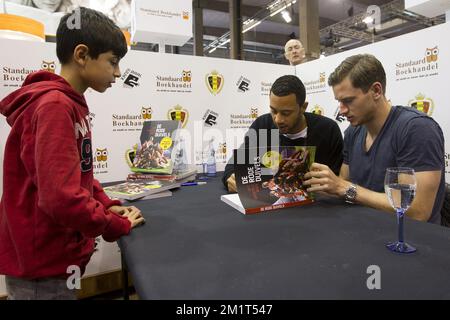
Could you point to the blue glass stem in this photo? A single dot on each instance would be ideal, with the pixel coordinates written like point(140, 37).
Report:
point(400, 214)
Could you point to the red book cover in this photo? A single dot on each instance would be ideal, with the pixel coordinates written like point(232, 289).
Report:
point(271, 179)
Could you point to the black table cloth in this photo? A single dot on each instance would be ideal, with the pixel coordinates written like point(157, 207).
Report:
point(194, 246)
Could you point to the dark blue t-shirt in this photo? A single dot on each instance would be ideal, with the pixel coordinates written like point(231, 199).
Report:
point(409, 138)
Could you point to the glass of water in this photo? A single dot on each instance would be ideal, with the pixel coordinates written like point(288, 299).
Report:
point(400, 188)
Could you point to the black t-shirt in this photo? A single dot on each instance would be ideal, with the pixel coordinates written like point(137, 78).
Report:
point(322, 132)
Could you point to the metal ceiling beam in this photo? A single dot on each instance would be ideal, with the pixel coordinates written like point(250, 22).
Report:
point(197, 28)
point(220, 6)
point(389, 11)
point(263, 37)
point(236, 43)
point(271, 9)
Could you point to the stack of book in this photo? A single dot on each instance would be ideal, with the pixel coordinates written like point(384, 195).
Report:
point(176, 176)
point(155, 165)
point(141, 190)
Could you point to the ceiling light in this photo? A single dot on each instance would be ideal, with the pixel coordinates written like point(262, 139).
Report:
point(277, 11)
point(286, 16)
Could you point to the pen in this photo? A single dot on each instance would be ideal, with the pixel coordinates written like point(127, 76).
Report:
point(184, 184)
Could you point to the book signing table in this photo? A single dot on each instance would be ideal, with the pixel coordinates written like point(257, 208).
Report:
point(194, 246)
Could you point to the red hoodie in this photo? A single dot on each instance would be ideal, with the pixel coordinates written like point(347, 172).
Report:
point(52, 208)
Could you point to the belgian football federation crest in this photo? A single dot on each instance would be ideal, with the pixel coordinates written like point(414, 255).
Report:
point(178, 113)
point(425, 105)
point(318, 110)
point(214, 82)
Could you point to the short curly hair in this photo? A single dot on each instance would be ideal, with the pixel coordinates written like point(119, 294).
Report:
point(289, 84)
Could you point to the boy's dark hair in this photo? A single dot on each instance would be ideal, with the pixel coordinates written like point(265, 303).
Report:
point(286, 85)
point(95, 30)
point(363, 70)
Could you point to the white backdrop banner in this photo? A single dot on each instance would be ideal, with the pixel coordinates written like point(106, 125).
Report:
point(417, 69)
point(221, 98)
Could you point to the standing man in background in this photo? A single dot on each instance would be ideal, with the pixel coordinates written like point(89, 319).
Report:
point(294, 52)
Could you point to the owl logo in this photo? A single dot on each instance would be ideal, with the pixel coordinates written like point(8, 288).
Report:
point(101, 154)
point(146, 113)
point(432, 54)
point(254, 113)
point(322, 77)
point(186, 15)
point(48, 66)
point(222, 148)
point(186, 76)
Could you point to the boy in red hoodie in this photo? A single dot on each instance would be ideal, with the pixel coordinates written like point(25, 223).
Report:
point(52, 208)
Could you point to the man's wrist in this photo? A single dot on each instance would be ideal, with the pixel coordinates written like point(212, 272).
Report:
point(344, 185)
point(350, 192)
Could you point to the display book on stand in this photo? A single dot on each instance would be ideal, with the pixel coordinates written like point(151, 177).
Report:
point(270, 179)
point(158, 163)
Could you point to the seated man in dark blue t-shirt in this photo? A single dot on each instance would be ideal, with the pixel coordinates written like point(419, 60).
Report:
point(381, 136)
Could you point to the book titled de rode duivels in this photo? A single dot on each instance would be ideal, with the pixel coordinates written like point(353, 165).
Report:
point(155, 154)
point(271, 179)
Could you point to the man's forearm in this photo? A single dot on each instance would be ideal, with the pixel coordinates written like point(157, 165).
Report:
point(376, 200)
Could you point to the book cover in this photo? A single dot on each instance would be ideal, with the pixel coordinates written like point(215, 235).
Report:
point(155, 154)
point(176, 175)
point(162, 194)
point(273, 179)
point(136, 190)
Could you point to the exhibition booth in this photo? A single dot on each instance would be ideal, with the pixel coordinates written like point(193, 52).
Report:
point(218, 99)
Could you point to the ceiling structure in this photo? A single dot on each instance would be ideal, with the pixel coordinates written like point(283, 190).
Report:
point(340, 23)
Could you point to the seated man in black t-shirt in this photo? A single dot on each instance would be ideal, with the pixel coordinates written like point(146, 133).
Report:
point(295, 127)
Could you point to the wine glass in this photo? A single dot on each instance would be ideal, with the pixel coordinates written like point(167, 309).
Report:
point(400, 187)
